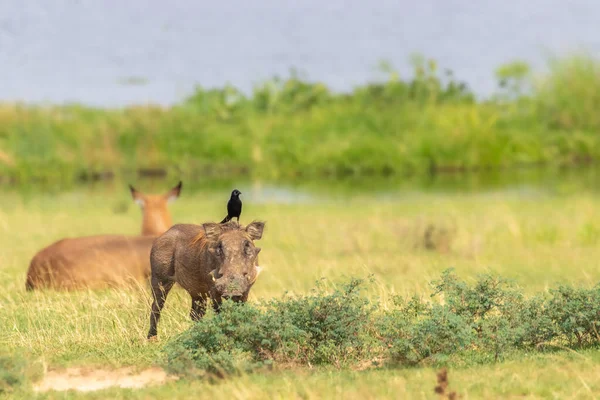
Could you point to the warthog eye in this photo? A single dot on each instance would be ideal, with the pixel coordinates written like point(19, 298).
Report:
point(248, 248)
point(219, 249)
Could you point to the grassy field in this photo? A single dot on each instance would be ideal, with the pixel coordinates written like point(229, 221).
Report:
point(425, 124)
point(538, 238)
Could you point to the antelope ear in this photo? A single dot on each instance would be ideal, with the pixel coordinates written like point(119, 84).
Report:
point(138, 197)
point(174, 193)
point(255, 229)
point(211, 230)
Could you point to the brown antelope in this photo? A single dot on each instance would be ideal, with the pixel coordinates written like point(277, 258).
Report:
point(103, 260)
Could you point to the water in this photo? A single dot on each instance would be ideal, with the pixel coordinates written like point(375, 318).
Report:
point(528, 183)
point(114, 52)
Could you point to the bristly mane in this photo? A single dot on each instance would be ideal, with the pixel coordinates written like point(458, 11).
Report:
point(230, 226)
point(201, 239)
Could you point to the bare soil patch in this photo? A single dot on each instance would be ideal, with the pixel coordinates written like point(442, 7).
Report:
point(89, 379)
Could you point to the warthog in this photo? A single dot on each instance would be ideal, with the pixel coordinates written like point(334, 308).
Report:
point(210, 261)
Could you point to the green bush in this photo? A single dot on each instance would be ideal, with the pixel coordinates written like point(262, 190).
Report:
point(316, 329)
point(484, 320)
point(576, 314)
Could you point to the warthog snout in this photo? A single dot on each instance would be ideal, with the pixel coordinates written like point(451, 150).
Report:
point(237, 297)
point(235, 283)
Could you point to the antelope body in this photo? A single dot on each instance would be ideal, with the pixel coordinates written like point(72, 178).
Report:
point(103, 260)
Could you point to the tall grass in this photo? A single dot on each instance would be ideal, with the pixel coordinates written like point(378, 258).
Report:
point(536, 239)
point(290, 127)
point(568, 99)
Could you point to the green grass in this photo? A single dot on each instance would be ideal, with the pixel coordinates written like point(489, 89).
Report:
point(537, 238)
point(291, 128)
point(568, 376)
point(549, 376)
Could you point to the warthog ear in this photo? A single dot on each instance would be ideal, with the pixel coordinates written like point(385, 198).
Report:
point(138, 197)
point(255, 230)
point(212, 230)
point(173, 194)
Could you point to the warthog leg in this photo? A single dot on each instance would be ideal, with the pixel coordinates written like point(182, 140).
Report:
point(198, 308)
point(160, 290)
point(216, 303)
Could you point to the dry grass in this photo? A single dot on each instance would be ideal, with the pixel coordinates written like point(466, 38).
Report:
point(537, 239)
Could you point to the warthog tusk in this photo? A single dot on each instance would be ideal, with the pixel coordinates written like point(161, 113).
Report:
point(258, 270)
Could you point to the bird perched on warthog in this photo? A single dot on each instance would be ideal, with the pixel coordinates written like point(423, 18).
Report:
point(234, 207)
point(210, 261)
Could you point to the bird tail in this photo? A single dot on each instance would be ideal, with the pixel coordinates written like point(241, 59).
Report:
point(226, 219)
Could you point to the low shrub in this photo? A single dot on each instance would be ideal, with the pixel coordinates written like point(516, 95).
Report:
point(485, 319)
point(319, 328)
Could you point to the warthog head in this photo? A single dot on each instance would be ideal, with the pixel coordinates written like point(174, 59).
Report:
point(233, 258)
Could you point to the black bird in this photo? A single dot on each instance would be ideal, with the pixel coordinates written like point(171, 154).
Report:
point(234, 207)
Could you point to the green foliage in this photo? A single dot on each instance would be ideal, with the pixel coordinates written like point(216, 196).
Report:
point(569, 96)
point(513, 78)
point(14, 373)
point(483, 320)
point(576, 314)
point(416, 330)
point(424, 124)
point(316, 329)
point(484, 316)
point(426, 87)
point(289, 96)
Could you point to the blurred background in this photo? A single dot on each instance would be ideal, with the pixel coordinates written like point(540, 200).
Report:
point(114, 54)
point(287, 92)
